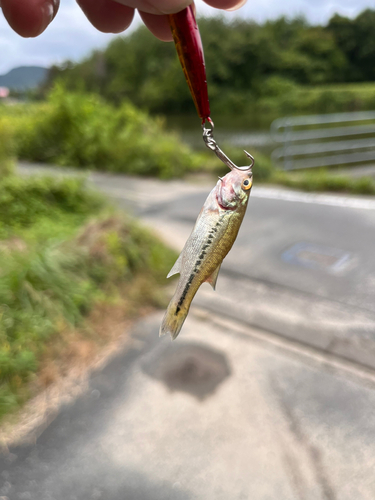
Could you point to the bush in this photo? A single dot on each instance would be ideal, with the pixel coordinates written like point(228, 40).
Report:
point(280, 97)
point(49, 285)
point(24, 201)
point(297, 99)
point(6, 148)
point(83, 131)
point(46, 290)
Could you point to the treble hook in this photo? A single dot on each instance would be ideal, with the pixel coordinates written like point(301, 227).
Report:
point(210, 142)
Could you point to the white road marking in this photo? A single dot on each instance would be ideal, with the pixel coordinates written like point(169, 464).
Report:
point(318, 199)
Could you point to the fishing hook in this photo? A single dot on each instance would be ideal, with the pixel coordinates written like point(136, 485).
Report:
point(208, 138)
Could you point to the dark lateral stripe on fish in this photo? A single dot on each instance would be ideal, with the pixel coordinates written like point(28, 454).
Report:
point(191, 277)
point(186, 289)
point(196, 268)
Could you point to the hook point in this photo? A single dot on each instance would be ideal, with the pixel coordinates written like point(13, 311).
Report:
point(251, 158)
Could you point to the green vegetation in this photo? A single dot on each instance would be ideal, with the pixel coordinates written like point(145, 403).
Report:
point(6, 148)
point(82, 130)
point(322, 180)
point(287, 99)
point(64, 254)
point(58, 265)
point(24, 202)
point(255, 72)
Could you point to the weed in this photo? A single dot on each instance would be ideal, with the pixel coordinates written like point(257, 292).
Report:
point(53, 272)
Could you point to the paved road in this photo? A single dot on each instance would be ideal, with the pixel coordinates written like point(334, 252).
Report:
point(303, 265)
point(264, 395)
point(220, 414)
point(304, 270)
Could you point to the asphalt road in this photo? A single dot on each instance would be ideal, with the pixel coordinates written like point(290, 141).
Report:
point(303, 265)
point(267, 393)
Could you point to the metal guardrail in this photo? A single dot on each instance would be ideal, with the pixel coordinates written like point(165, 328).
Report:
point(306, 140)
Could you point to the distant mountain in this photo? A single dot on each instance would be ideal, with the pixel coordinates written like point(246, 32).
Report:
point(24, 77)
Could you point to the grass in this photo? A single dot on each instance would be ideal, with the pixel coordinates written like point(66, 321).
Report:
point(24, 202)
point(64, 254)
point(323, 181)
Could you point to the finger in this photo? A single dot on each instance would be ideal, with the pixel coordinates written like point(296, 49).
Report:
point(158, 25)
point(107, 15)
point(226, 4)
point(29, 18)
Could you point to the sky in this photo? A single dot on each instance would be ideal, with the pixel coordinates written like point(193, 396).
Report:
point(70, 36)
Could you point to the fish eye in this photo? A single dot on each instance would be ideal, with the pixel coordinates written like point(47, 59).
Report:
point(247, 184)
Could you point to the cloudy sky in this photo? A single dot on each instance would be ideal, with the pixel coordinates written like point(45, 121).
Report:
point(70, 36)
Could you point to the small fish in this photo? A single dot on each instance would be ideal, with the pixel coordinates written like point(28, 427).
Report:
point(213, 235)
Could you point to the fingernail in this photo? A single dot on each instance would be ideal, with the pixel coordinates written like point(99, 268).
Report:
point(48, 13)
point(238, 6)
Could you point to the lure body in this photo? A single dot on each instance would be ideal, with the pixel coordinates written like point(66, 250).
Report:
point(213, 235)
point(190, 52)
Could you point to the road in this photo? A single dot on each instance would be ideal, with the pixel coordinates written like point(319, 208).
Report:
point(267, 393)
point(303, 265)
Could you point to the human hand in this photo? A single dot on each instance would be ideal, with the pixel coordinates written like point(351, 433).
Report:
point(29, 18)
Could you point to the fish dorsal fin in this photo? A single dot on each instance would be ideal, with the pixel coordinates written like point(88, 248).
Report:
point(176, 267)
point(213, 278)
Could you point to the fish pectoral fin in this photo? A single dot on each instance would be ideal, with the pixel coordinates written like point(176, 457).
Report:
point(213, 278)
point(176, 267)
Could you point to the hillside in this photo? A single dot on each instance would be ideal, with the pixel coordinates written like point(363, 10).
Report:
point(24, 77)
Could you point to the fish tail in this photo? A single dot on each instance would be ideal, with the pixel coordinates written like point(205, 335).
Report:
point(173, 320)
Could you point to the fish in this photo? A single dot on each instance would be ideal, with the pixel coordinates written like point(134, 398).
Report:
point(211, 239)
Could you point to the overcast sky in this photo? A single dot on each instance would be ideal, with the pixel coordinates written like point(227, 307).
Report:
point(70, 36)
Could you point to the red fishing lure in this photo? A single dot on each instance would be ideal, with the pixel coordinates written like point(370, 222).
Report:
point(190, 52)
